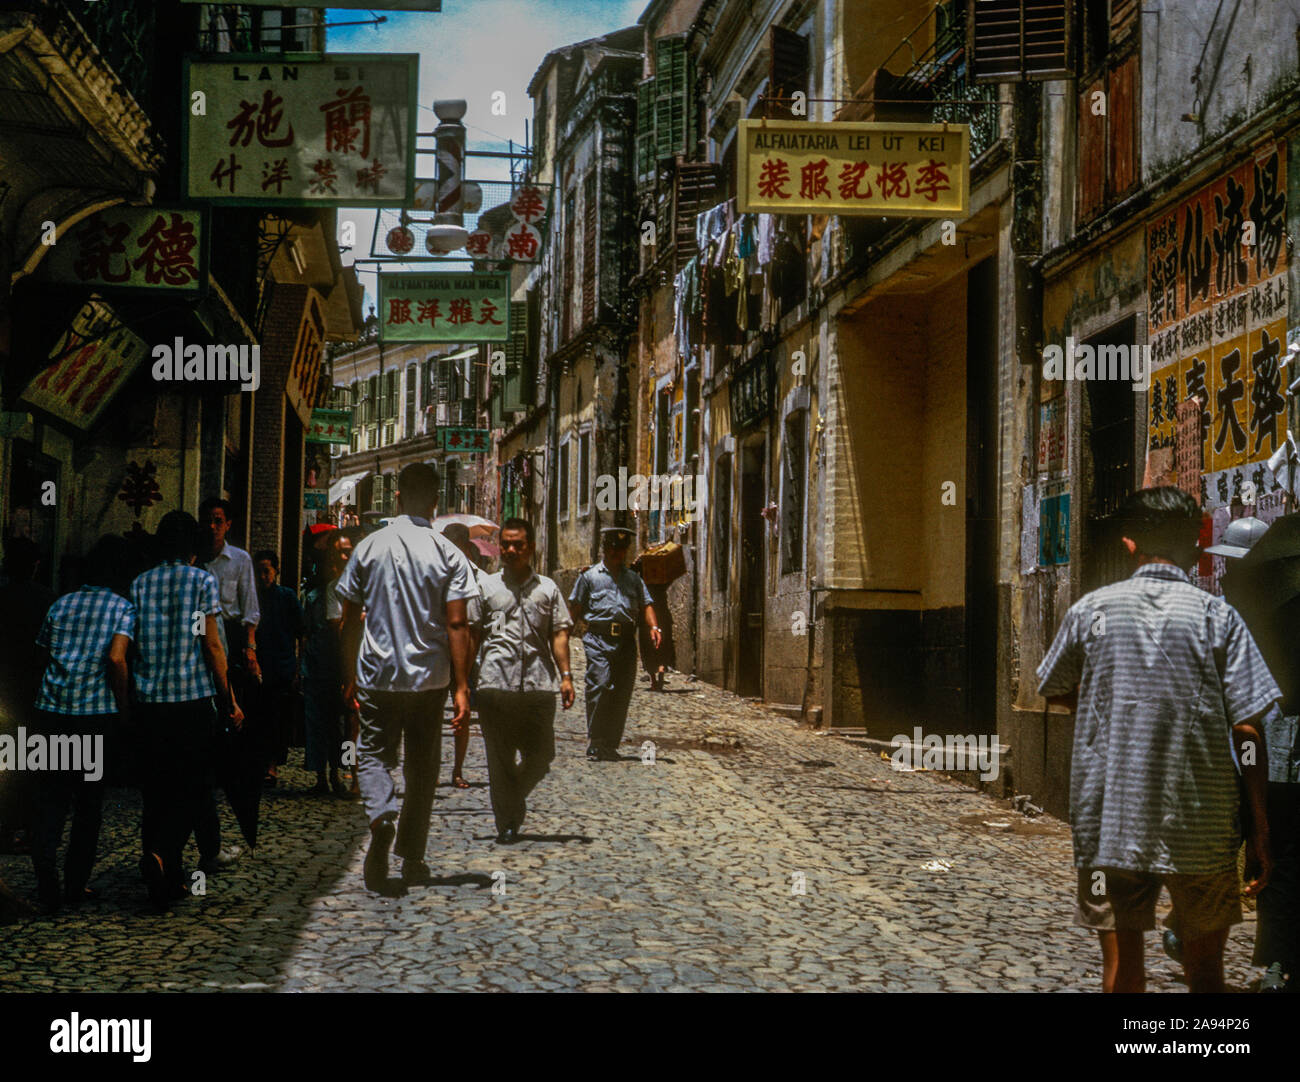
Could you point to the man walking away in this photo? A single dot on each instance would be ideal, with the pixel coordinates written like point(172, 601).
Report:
point(413, 586)
point(180, 681)
point(322, 673)
point(278, 632)
point(610, 596)
point(1158, 672)
point(237, 589)
point(83, 692)
point(523, 662)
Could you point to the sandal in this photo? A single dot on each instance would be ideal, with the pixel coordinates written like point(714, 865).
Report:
point(459, 782)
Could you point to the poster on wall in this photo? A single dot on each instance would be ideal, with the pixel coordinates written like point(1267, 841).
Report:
point(1217, 325)
point(1053, 522)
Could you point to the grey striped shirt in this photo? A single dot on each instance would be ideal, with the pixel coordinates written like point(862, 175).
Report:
point(1164, 670)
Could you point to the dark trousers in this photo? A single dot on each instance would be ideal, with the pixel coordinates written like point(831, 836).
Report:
point(179, 766)
point(608, 684)
point(323, 724)
point(1277, 933)
point(516, 724)
point(57, 791)
point(389, 718)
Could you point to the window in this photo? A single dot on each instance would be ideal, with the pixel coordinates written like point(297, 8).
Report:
point(566, 301)
point(665, 120)
point(793, 473)
point(390, 395)
point(589, 233)
point(787, 70)
point(372, 399)
point(562, 481)
point(409, 430)
point(584, 473)
point(1018, 40)
point(722, 523)
point(389, 435)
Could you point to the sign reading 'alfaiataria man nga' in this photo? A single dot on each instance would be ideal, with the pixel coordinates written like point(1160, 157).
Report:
point(334, 130)
point(887, 170)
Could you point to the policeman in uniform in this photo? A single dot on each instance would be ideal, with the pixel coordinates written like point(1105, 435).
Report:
point(609, 596)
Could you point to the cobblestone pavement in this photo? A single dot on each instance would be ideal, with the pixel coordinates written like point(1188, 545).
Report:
point(676, 875)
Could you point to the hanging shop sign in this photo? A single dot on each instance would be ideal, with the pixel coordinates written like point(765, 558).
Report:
point(1217, 326)
point(282, 131)
point(886, 170)
point(131, 248)
point(444, 307)
point(89, 364)
point(330, 426)
point(465, 440)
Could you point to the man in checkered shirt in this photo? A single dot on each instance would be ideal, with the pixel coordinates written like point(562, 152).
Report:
point(181, 681)
point(83, 690)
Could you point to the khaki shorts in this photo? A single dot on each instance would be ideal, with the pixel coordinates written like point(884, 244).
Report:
point(1202, 903)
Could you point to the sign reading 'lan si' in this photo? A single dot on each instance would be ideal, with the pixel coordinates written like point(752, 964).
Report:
point(335, 130)
point(447, 307)
point(890, 170)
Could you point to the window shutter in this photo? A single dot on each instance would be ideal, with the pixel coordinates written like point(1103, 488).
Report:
point(1123, 20)
point(787, 69)
point(645, 129)
point(444, 381)
point(695, 189)
point(589, 248)
point(670, 96)
point(1015, 40)
point(372, 399)
point(513, 387)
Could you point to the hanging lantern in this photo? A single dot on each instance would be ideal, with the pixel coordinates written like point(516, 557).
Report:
point(400, 240)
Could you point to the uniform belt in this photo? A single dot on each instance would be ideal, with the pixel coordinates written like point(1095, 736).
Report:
point(614, 629)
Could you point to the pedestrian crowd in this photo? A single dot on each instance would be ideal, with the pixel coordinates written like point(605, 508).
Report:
point(192, 661)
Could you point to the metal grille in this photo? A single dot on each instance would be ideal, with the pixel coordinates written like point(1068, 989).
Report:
point(123, 32)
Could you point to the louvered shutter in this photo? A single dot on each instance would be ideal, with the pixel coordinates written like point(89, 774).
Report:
point(670, 96)
point(645, 130)
point(514, 389)
point(589, 248)
point(695, 189)
point(787, 69)
point(1014, 40)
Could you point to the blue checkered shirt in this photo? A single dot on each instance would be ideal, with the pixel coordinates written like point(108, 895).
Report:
point(77, 632)
point(169, 664)
point(1164, 670)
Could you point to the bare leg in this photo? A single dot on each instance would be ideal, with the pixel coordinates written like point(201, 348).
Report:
point(1123, 965)
point(458, 766)
point(1203, 961)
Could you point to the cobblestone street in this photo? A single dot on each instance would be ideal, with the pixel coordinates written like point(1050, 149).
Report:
point(676, 875)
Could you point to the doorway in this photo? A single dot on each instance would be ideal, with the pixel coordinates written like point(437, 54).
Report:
point(753, 570)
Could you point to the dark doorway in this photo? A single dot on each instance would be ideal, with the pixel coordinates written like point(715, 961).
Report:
point(753, 596)
point(1109, 433)
point(981, 628)
point(33, 475)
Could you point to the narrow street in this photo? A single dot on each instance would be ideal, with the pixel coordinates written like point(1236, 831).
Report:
point(676, 875)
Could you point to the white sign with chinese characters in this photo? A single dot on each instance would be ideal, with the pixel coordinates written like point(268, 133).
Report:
point(336, 130)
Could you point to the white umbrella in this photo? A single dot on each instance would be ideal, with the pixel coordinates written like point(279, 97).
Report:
point(478, 527)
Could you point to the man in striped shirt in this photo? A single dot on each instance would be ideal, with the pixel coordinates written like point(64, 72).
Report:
point(180, 667)
point(84, 688)
point(1161, 676)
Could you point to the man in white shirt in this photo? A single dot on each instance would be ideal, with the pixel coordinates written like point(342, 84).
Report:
point(414, 586)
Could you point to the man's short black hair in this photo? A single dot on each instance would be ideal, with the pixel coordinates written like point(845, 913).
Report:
point(267, 555)
point(108, 563)
point(1163, 521)
point(178, 536)
point(207, 506)
point(417, 485)
point(521, 524)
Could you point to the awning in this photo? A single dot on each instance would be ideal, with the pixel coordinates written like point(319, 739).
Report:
point(345, 486)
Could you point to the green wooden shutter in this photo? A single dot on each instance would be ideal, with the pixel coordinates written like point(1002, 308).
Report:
point(645, 129)
point(514, 391)
point(670, 96)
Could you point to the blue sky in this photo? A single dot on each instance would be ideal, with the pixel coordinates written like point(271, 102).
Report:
point(471, 49)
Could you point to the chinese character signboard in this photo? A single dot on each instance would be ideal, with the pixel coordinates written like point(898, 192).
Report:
point(466, 440)
point(330, 426)
point(135, 247)
point(891, 170)
point(89, 364)
point(444, 307)
point(333, 131)
point(1217, 311)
